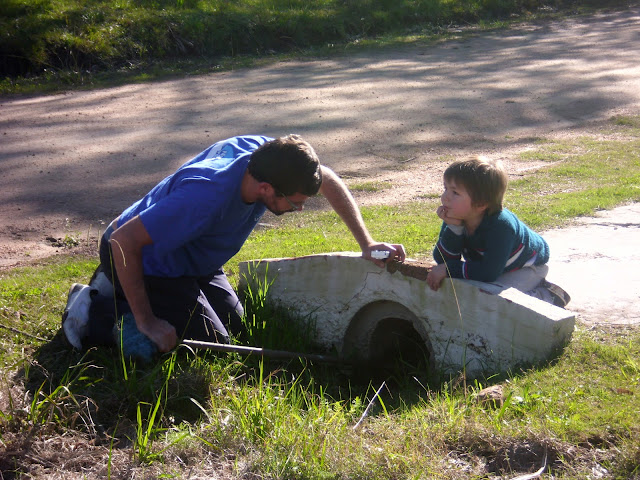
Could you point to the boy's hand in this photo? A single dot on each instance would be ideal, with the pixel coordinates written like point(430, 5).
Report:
point(443, 213)
point(436, 275)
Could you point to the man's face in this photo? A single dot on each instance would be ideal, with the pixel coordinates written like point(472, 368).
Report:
point(279, 204)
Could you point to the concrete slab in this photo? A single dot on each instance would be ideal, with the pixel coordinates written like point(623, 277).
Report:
point(371, 313)
point(597, 261)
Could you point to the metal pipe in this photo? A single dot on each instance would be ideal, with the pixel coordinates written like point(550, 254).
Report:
point(263, 352)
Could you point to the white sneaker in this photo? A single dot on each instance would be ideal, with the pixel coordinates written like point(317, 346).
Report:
point(75, 319)
point(102, 284)
point(560, 297)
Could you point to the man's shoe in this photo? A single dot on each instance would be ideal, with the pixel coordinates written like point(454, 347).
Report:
point(560, 297)
point(101, 283)
point(75, 319)
point(102, 286)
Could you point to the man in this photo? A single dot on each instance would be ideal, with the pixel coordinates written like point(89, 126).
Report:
point(163, 256)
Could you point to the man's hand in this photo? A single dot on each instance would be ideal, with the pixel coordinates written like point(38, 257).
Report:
point(127, 242)
point(161, 332)
point(396, 252)
point(436, 275)
point(443, 213)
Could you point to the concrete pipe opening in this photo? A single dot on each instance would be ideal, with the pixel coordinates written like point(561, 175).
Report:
point(386, 337)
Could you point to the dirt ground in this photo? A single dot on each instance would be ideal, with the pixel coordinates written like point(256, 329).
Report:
point(71, 162)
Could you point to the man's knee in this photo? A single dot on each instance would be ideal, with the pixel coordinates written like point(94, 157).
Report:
point(103, 314)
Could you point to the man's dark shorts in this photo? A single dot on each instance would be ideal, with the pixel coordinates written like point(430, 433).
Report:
point(200, 308)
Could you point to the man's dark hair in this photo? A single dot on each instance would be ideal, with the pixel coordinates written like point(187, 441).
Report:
point(289, 164)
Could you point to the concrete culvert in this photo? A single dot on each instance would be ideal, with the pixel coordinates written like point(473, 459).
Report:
point(391, 314)
point(386, 336)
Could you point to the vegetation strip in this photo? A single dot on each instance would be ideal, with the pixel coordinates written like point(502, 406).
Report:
point(54, 44)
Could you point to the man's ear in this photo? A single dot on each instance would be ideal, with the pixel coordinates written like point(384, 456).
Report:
point(257, 191)
point(265, 188)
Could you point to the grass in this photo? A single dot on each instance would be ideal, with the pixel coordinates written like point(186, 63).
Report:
point(205, 414)
point(370, 187)
point(59, 44)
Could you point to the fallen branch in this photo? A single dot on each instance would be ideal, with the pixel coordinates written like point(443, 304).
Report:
point(21, 332)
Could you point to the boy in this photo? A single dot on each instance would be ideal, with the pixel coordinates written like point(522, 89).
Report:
point(480, 240)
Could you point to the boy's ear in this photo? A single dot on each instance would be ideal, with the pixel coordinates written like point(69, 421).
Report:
point(481, 207)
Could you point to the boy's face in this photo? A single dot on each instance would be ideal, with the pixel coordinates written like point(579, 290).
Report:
point(457, 202)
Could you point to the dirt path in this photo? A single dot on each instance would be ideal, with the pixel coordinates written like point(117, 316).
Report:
point(71, 162)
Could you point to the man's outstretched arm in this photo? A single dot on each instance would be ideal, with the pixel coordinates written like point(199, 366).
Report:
point(341, 200)
point(126, 244)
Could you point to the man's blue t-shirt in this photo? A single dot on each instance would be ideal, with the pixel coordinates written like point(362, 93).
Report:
point(196, 217)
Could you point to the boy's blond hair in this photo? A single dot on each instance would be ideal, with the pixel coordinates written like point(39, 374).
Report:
point(484, 179)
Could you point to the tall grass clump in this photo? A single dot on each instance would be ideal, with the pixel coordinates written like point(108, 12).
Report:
point(271, 326)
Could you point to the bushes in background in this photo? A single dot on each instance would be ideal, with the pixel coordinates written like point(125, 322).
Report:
point(91, 35)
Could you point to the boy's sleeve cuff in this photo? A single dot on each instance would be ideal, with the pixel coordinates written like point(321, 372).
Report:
point(456, 229)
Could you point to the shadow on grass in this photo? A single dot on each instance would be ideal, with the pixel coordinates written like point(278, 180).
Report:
point(98, 392)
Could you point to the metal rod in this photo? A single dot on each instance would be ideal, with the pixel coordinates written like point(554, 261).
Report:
point(264, 352)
